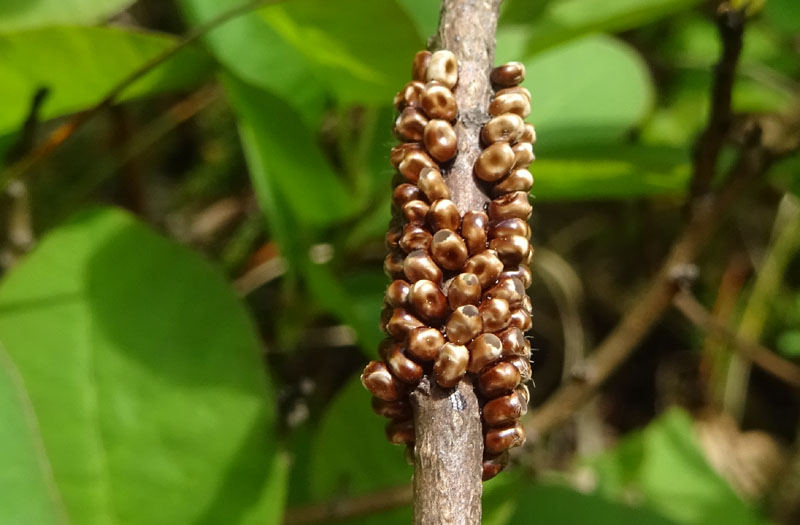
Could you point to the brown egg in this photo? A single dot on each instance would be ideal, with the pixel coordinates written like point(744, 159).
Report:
point(521, 272)
point(386, 314)
point(508, 288)
point(506, 128)
point(448, 250)
point(400, 409)
point(514, 89)
point(415, 212)
point(528, 134)
point(525, 395)
point(484, 350)
point(392, 238)
point(419, 68)
point(401, 323)
point(413, 163)
point(509, 74)
point(451, 364)
point(463, 290)
point(473, 229)
point(495, 313)
point(418, 265)
point(424, 343)
point(439, 102)
point(513, 342)
point(400, 432)
point(440, 140)
point(415, 237)
point(486, 266)
point(517, 180)
point(397, 293)
point(512, 206)
point(510, 103)
point(432, 184)
point(404, 193)
point(410, 125)
point(402, 367)
point(410, 96)
point(393, 265)
point(500, 379)
point(381, 383)
point(511, 250)
point(428, 301)
point(498, 440)
point(523, 155)
point(509, 227)
point(522, 364)
point(521, 319)
point(464, 324)
point(388, 344)
point(399, 152)
point(443, 68)
point(494, 162)
point(505, 410)
point(493, 465)
point(444, 215)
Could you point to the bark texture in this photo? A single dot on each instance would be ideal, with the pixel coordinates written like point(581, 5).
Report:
point(449, 441)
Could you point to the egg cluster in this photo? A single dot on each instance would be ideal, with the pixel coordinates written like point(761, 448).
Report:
point(457, 303)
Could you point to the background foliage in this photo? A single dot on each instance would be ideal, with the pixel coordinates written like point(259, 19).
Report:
point(194, 359)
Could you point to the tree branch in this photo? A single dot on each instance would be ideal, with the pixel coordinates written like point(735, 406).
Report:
point(449, 441)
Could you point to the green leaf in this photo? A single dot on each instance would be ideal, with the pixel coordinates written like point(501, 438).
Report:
point(425, 15)
point(664, 468)
point(27, 14)
point(565, 20)
point(613, 172)
point(80, 65)
point(594, 89)
point(350, 454)
point(144, 374)
point(558, 505)
point(788, 343)
point(285, 151)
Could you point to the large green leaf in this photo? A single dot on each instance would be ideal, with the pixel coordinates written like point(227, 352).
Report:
point(25, 14)
point(664, 468)
point(588, 91)
point(303, 49)
point(564, 20)
point(616, 172)
point(143, 372)
point(79, 65)
point(350, 454)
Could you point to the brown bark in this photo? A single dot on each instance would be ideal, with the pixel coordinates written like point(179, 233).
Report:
point(449, 441)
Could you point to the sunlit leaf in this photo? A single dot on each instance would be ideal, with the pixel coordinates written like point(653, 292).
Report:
point(144, 379)
point(26, 14)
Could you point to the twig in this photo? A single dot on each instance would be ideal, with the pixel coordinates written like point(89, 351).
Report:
point(730, 23)
point(759, 355)
point(350, 508)
point(64, 131)
point(449, 442)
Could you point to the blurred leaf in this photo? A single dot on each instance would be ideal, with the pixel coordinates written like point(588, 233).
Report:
point(591, 90)
point(289, 156)
point(26, 14)
point(613, 172)
point(425, 14)
point(80, 65)
point(144, 375)
point(663, 467)
point(788, 343)
point(557, 505)
point(339, 41)
point(784, 14)
point(350, 455)
point(565, 20)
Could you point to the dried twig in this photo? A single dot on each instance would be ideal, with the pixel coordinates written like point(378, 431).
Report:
point(759, 355)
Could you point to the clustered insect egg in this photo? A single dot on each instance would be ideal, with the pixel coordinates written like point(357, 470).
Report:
point(457, 304)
